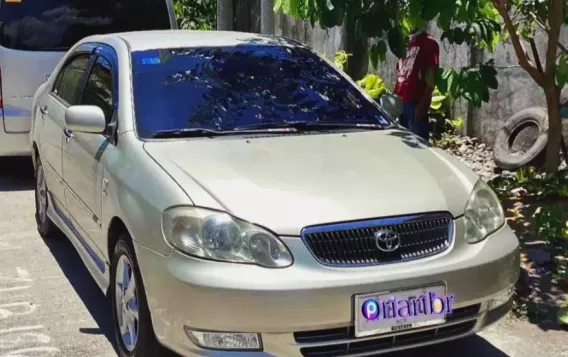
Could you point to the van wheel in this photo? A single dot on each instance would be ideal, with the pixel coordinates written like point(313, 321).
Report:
point(132, 323)
point(45, 226)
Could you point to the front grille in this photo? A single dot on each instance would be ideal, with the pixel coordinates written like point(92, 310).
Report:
point(385, 343)
point(355, 243)
point(347, 332)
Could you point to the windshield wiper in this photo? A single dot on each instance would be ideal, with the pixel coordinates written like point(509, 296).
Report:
point(310, 125)
point(200, 132)
point(293, 126)
point(188, 133)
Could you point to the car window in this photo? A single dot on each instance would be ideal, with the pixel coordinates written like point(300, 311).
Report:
point(68, 82)
point(99, 88)
point(56, 25)
point(227, 87)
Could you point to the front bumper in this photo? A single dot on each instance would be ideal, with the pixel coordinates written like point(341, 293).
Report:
point(283, 304)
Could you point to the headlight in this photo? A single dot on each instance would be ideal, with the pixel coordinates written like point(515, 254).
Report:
point(219, 236)
point(483, 213)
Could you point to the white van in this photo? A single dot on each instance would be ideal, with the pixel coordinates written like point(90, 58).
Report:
point(34, 36)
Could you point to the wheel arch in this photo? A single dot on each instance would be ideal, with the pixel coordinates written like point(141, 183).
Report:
point(116, 229)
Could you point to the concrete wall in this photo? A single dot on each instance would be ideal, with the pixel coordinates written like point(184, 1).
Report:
point(516, 89)
point(327, 42)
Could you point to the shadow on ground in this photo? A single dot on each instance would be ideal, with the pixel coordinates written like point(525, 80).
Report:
point(473, 346)
point(540, 292)
point(94, 300)
point(96, 303)
point(16, 174)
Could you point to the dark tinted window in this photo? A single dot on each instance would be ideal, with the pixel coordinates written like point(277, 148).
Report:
point(68, 82)
point(227, 87)
point(98, 90)
point(59, 24)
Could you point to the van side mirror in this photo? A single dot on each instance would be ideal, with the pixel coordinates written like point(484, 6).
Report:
point(85, 119)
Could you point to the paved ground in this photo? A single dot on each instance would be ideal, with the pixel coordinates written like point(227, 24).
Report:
point(50, 306)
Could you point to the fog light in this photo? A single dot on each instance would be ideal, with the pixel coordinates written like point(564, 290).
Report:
point(502, 297)
point(236, 341)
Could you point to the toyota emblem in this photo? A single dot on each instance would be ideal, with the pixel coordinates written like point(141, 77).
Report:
point(387, 240)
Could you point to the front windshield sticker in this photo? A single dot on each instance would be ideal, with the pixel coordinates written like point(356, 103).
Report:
point(151, 60)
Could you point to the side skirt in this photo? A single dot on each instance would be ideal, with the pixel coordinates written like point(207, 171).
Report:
point(98, 268)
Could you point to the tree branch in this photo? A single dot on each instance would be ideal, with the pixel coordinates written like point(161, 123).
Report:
point(520, 50)
point(547, 30)
point(555, 19)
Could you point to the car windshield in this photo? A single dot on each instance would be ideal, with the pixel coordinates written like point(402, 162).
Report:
point(56, 25)
point(223, 88)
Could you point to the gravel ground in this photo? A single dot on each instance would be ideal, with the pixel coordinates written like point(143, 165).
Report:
point(478, 157)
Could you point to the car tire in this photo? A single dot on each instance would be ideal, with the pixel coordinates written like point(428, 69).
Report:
point(45, 226)
point(134, 338)
point(509, 154)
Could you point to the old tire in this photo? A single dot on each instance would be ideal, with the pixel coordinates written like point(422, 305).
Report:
point(522, 140)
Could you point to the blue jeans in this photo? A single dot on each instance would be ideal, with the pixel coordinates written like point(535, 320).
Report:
point(408, 120)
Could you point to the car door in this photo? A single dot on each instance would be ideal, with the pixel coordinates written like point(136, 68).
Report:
point(82, 152)
point(64, 92)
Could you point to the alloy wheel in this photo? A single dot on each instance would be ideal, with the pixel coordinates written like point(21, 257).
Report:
point(127, 303)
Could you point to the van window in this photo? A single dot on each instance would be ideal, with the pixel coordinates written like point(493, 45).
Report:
point(56, 25)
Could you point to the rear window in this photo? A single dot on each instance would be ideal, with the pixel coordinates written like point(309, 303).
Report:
point(56, 25)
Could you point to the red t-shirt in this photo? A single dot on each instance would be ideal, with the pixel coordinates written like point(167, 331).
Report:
point(422, 52)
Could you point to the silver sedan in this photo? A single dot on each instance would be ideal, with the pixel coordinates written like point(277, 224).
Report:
point(236, 192)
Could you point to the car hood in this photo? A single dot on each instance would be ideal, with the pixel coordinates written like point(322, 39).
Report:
point(288, 182)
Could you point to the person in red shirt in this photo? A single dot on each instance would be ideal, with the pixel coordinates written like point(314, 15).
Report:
point(416, 74)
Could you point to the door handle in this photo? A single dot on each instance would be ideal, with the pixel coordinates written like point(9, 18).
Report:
point(104, 186)
point(68, 134)
point(43, 110)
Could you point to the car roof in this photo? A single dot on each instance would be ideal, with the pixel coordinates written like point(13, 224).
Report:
point(161, 39)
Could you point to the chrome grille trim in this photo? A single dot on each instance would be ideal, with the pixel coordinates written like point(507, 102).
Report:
point(352, 244)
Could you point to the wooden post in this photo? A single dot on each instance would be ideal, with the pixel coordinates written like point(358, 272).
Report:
point(225, 15)
point(267, 17)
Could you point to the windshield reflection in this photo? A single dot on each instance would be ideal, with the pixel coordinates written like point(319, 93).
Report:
point(221, 88)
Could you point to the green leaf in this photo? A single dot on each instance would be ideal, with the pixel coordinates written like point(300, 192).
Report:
point(447, 35)
point(453, 82)
point(459, 35)
point(328, 18)
point(430, 12)
point(562, 316)
point(382, 49)
point(374, 56)
point(396, 43)
point(439, 98)
point(278, 5)
point(436, 105)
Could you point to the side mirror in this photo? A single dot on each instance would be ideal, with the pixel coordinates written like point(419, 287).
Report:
point(85, 119)
point(392, 104)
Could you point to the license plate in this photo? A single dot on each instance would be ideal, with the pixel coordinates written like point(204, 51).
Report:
point(400, 310)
